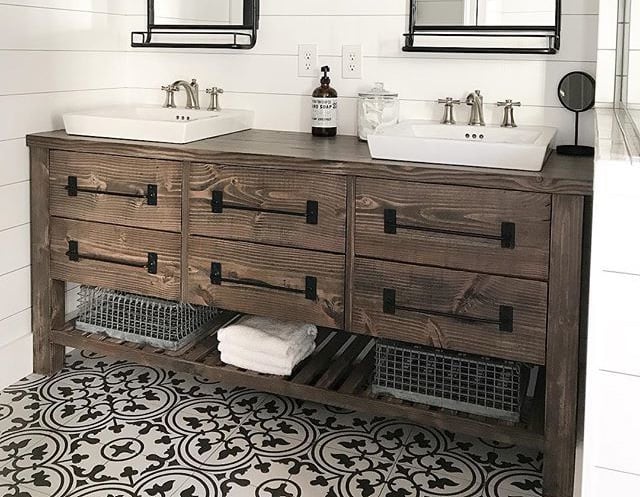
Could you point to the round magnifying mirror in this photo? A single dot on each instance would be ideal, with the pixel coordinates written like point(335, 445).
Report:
point(577, 93)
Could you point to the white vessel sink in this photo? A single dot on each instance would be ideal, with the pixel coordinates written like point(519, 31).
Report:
point(524, 148)
point(157, 124)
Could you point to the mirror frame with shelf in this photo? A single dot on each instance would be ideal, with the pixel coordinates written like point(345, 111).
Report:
point(242, 36)
point(435, 33)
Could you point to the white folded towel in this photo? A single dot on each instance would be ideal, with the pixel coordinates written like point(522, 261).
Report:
point(262, 362)
point(270, 336)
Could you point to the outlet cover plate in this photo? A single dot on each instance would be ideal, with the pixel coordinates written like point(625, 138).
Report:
point(352, 61)
point(308, 61)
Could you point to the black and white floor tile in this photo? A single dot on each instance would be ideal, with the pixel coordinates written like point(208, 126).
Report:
point(106, 428)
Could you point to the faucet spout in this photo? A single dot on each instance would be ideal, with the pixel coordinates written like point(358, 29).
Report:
point(193, 101)
point(476, 101)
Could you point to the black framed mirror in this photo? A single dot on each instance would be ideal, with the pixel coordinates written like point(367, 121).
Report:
point(484, 26)
point(200, 24)
point(577, 93)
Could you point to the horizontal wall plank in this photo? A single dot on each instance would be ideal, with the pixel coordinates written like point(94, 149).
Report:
point(14, 161)
point(16, 360)
point(15, 326)
point(15, 292)
point(64, 71)
point(14, 205)
point(15, 248)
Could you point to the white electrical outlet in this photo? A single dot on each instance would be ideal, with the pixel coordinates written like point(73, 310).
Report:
point(308, 61)
point(352, 61)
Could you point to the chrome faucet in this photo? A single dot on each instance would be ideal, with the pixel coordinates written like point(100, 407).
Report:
point(170, 102)
point(476, 101)
point(192, 89)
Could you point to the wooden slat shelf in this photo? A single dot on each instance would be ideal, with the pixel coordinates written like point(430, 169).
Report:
point(338, 373)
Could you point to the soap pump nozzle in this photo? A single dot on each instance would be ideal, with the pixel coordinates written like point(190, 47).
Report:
point(325, 80)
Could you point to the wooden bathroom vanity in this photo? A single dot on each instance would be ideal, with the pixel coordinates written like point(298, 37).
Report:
point(487, 262)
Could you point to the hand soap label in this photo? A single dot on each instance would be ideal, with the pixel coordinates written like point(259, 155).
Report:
point(324, 112)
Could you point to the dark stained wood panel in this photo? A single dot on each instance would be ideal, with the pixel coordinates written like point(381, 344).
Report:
point(454, 215)
point(460, 293)
point(271, 195)
point(119, 248)
point(113, 176)
point(47, 295)
point(563, 345)
point(343, 155)
point(264, 265)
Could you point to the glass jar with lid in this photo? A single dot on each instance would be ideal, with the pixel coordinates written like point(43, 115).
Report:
point(377, 108)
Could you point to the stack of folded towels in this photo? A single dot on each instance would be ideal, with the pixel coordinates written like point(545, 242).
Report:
point(266, 345)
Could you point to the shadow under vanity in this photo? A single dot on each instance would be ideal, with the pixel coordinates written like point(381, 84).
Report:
point(317, 231)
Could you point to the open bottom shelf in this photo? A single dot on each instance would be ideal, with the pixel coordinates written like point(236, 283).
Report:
point(338, 373)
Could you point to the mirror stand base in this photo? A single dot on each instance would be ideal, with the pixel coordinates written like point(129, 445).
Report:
point(576, 150)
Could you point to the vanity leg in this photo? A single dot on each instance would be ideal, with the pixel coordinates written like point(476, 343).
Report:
point(563, 334)
point(47, 295)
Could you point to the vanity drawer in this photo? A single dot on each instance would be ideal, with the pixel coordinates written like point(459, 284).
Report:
point(475, 229)
point(132, 260)
point(289, 284)
point(275, 207)
point(475, 313)
point(129, 191)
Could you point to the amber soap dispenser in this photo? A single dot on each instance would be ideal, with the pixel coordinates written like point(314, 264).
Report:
point(324, 108)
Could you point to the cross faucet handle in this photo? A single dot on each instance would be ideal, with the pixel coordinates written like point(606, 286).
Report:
point(170, 102)
point(215, 100)
point(509, 103)
point(508, 121)
point(449, 101)
point(448, 117)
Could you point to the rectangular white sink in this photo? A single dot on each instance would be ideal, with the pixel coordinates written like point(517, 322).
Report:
point(157, 124)
point(524, 148)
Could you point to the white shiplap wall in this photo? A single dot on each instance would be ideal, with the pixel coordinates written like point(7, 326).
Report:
point(55, 55)
point(266, 80)
point(58, 55)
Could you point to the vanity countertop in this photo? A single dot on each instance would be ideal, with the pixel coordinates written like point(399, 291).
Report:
point(343, 155)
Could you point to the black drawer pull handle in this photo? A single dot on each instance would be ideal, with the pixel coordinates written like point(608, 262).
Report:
point(73, 190)
point(507, 235)
point(310, 291)
point(74, 255)
point(218, 205)
point(504, 321)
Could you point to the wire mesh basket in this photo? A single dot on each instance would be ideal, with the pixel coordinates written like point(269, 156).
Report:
point(473, 384)
point(160, 323)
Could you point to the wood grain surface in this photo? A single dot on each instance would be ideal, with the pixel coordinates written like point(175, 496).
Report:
point(47, 295)
point(459, 209)
point(455, 292)
point(118, 245)
point(109, 173)
point(277, 266)
point(343, 155)
point(275, 190)
point(563, 344)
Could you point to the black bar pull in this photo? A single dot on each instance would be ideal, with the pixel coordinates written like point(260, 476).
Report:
point(507, 235)
point(504, 321)
point(74, 255)
point(218, 205)
point(73, 189)
point(310, 291)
